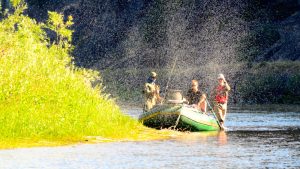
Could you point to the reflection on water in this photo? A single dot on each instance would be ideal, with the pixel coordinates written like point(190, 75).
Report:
point(202, 137)
point(222, 138)
point(254, 140)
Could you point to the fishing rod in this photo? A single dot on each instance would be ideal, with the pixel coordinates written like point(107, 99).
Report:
point(213, 112)
point(167, 86)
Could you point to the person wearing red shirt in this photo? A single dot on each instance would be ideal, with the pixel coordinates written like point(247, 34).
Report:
point(220, 97)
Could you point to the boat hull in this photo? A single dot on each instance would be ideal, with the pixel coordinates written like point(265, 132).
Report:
point(178, 116)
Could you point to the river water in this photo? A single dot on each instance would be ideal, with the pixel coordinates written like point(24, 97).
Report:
point(252, 140)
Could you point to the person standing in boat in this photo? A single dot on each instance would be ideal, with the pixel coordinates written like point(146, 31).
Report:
point(195, 97)
point(220, 96)
point(151, 92)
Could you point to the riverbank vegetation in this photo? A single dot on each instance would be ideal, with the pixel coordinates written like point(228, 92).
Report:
point(271, 82)
point(44, 98)
point(258, 83)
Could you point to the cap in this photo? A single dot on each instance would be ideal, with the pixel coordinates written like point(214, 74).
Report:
point(153, 74)
point(221, 76)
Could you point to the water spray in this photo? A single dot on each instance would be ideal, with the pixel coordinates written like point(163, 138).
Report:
point(176, 58)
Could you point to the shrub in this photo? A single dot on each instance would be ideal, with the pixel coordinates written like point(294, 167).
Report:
point(42, 94)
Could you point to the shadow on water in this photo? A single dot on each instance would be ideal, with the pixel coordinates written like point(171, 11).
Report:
point(272, 137)
point(223, 137)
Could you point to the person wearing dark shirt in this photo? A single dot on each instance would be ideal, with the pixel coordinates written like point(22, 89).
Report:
point(195, 97)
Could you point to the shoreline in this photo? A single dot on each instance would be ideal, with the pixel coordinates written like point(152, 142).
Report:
point(145, 135)
point(266, 107)
point(232, 107)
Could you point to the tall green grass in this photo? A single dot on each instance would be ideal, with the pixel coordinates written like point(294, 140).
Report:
point(43, 95)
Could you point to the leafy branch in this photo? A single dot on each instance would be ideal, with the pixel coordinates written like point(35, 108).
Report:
point(57, 24)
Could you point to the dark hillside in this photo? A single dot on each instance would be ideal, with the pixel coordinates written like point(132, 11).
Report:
point(200, 36)
point(143, 33)
point(288, 47)
point(274, 31)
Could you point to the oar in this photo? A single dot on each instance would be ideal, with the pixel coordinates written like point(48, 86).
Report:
point(213, 113)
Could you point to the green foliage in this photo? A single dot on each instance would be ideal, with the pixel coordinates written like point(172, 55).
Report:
point(16, 3)
point(272, 82)
point(43, 95)
point(6, 6)
point(260, 83)
point(61, 28)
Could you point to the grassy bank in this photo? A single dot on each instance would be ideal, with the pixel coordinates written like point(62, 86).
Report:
point(44, 98)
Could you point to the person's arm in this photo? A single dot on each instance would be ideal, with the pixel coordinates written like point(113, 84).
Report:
point(157, 89)
point(156, 93)
point(202, 103)
point(227, 87)
point(202, 98)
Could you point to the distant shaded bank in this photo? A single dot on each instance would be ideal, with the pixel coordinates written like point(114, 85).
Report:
point(261, 83)
point(147, 33)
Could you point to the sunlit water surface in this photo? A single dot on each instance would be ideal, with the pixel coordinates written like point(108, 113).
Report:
point(253, 140)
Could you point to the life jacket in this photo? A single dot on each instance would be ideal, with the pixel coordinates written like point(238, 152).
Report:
point(221, 96)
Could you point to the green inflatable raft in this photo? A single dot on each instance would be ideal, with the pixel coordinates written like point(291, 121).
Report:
point(179, 117)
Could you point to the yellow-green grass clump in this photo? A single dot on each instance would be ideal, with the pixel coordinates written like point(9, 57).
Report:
point(43, 96)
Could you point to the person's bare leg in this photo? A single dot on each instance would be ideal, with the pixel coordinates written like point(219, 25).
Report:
point(221, 119)
point(218, 111)
point(224, 112)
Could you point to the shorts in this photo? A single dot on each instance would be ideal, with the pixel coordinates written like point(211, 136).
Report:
point(222, 106)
